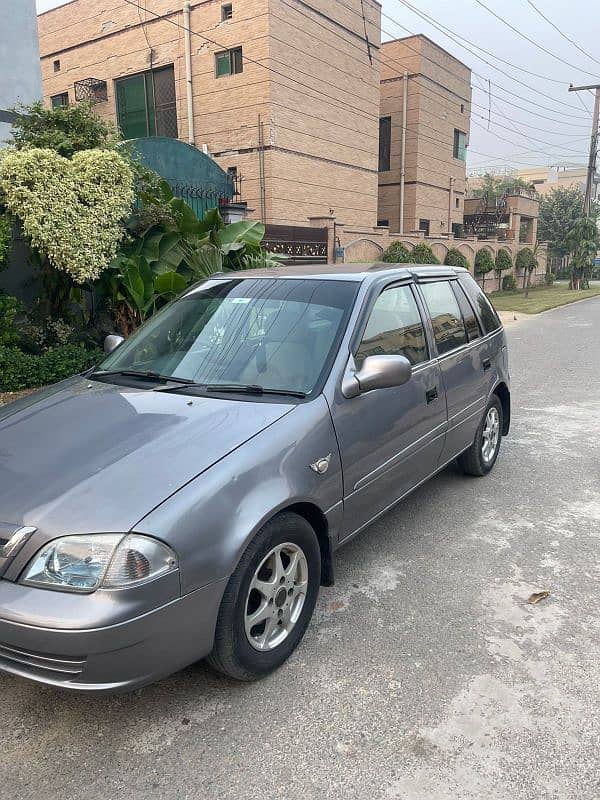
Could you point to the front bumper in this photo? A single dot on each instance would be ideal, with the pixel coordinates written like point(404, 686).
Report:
point(113, 658)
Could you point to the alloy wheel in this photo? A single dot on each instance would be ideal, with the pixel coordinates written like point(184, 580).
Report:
point(491, 435)
point(276, 596)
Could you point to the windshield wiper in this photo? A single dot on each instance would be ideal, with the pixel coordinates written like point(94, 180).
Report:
point(251, 388)
point(233, 388)
point(149, 374)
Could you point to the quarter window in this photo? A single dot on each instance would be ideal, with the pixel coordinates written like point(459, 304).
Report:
point(469, 317)
point(448, 324)
point(487, 314)
point(228, 62)
point(395, 327)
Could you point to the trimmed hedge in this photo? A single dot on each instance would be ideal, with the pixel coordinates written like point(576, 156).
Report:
point(20, 370)
point(396, 253)
point(454, 258)
point(423, 254)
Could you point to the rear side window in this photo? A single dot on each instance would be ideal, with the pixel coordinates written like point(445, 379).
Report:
point(487, 314)
point(395, 327)
point(469, 316)
point(448, 324)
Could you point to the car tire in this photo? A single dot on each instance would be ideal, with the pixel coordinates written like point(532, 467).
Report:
point(285, 601)
point(480, 458)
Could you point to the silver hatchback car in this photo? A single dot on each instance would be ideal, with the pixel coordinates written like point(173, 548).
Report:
point(184, 499)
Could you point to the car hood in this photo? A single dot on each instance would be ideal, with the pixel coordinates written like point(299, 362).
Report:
point(85, 456)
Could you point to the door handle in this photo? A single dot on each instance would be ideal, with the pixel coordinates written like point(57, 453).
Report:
point(431, 394)
point(486, 364)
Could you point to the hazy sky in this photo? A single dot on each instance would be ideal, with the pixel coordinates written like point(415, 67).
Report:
point(556, 133)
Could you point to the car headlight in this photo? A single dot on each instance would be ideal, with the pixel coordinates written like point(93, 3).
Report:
point(102, 560)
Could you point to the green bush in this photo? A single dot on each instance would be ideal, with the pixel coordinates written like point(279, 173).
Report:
point(454, 258)
point(549, 279)
point(396, 253)
point(8, 311)
point(503, 261)
point(423, 254)
point(20, 370)
point(509, 283)
point(5, 239)
point(525, 259)
point(484, 262)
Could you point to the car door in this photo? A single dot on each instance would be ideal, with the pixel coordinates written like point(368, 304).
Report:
point(390, 439)
point(458, 340)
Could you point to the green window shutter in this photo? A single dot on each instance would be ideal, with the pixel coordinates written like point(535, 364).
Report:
point(223, 65)
point(131, 107)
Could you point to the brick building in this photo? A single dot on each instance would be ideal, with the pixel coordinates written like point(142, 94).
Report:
point(302, 134)
point(429, 181)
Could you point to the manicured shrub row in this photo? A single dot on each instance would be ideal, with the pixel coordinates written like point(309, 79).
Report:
point(20, 370)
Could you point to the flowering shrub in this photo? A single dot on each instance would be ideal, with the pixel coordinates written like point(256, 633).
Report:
point(72, 210)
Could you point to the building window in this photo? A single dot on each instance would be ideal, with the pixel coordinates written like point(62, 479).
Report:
point(457, 230)
point(383, 223)
point(146, 104)
point(385, 142)
point(60, 100)
point(228, 62)
point(56, 65)
point(457, 202)
point(460, 145)
point(462, 108)
point(424, 226)
point(226, 12)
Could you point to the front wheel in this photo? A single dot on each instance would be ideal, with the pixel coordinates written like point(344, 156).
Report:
point(269, 599)
point(481, 456)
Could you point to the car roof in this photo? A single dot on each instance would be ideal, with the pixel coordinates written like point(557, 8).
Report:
point(351, 272)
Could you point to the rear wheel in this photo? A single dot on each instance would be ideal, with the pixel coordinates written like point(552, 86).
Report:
point(269, 599)
point(481, 456)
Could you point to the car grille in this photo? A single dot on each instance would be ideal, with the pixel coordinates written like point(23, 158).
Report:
point(28, 663)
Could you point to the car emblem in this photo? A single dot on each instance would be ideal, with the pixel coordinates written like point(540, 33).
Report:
point(321, 465)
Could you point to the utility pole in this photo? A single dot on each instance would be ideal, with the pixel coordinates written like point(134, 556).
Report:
point(591, 170)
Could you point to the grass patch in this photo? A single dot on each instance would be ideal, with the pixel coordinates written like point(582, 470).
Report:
point(541, 298)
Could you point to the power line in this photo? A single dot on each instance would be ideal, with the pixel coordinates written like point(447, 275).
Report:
point(532, 41)
point(564, 35)
point(452, 36)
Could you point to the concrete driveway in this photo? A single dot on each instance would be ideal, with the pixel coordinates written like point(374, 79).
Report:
point(425, 674)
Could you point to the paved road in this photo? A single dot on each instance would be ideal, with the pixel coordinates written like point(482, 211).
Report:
point(425, 675)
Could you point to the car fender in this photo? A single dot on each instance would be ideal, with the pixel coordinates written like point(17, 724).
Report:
point(210, 521)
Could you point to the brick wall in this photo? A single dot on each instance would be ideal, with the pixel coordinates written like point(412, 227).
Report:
point(318, 103)
point(438, 102)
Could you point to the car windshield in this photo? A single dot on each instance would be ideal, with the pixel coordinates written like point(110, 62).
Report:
point(277, 334)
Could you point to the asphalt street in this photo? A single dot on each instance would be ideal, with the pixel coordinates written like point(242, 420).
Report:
point(425, 674)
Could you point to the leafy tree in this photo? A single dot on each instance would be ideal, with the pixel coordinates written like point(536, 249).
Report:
point(484, 263)
point(66, 129)
point(560, 209)
point(454, 258)
point(396, 253)
point(584, 241)
point(526, 260)
point(423, 254)
point(493, 187)
point(503, 262)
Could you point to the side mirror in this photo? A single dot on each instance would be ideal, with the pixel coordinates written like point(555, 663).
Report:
point(377, 372)
point(112, 341)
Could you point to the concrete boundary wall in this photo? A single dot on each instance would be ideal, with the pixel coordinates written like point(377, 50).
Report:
point(368, 244)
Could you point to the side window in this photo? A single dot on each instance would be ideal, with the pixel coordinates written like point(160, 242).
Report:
point(448, 325)
point(395, 327)
point(487, 314)
point(469, 317)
